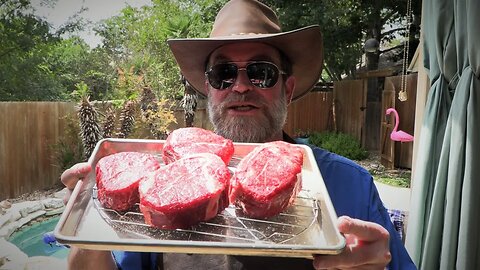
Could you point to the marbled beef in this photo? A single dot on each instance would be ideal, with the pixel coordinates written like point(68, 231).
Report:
point(186, 141)
point(265, 181)
point(118, 176)
point(185, 192)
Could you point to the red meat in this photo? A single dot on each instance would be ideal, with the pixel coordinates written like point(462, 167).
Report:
point(186, 141)
point(185, 192)
point(118, 176)
point(265, 181)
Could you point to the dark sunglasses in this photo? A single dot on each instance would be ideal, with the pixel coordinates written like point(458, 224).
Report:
point(260, 73)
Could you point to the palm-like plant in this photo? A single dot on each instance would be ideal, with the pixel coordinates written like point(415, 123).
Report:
point(87, 115)
point(127, 119)
point(189, 103)
point(109, 123)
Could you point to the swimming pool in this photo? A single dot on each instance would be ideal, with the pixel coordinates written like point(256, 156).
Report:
point(30, 240)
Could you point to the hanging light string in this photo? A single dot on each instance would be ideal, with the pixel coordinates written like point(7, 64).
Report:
point(402, 95)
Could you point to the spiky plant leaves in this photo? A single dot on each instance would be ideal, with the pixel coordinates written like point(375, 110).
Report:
point(152, 113)
point(189, 104)
point(127, 119)
point(148, 100)
point(109, 123)
point(89, 129)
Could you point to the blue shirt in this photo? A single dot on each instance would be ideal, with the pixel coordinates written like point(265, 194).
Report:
point(353, 194)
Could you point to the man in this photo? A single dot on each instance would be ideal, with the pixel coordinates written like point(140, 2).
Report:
point(250, 71)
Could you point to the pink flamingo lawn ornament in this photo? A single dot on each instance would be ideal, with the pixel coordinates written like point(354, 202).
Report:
point(400, 135)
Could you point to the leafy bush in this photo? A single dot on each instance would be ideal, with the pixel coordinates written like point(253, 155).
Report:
point(339, 143)
point(68, 151)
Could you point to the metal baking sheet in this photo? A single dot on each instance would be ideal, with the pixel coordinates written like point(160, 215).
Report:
point(303, 229)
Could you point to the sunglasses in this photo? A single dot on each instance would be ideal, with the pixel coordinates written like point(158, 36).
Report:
point(260, 73)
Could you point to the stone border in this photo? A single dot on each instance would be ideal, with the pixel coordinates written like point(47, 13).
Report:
point(13, 217)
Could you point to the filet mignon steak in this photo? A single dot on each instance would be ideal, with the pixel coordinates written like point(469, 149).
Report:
point(118, 176)
point(185, 192)
point(265, 181)
point(185, 141)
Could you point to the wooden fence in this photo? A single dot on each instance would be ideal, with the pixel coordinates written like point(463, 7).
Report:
point(310, 113)
point(350, 97)
point(28, 131)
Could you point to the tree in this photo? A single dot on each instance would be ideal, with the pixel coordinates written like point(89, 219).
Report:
point(72, 61)
point(346, 25)
point(37, 64)
point(137, 38)
point(24, 43)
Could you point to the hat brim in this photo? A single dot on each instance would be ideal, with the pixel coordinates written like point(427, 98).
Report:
point(303, 47)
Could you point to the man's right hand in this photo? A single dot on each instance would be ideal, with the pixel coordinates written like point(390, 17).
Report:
point(83, 258)
point(71, 176)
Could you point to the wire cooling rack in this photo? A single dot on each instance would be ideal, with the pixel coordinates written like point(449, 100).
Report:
point(228, 226)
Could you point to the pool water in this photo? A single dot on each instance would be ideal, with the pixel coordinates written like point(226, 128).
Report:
point(30, 240)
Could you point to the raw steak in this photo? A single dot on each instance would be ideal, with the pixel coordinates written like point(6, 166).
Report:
point(118, 176)
point(186, 141)
point(185, 192)
point(265, 181)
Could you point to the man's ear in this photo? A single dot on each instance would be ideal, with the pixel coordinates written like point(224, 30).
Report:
point(289, 88)
point(207, 89)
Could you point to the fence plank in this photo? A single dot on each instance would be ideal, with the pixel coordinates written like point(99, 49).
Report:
point(350, 103)
point(387, 151)
point(312, 113)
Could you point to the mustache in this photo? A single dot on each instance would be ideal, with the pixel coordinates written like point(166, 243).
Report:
point(249, 97)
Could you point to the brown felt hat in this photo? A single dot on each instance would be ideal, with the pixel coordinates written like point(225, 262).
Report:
point(251, 21)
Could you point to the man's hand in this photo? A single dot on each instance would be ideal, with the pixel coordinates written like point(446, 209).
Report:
point(367, 247)
point(71, 176)
point(83, 258)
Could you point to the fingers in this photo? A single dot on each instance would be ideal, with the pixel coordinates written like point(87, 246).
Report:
point(374, 256)
point(71, 176)
point(367, 247)
point(67, 195)
point(364, 231)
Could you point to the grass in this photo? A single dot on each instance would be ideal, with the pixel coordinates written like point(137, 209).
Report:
point(393, 181)
point(347, 146)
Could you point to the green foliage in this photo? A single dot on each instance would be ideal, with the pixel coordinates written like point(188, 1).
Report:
point(393, 181)
point(37, 64)
point(68, 151)
point(346, 25)
point(82, 91)
point(72, 61)
point(339, 143)
point(137, 38)
point(25, 40)
point(158, 118)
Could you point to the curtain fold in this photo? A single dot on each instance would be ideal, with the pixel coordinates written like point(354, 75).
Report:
point(444, 224)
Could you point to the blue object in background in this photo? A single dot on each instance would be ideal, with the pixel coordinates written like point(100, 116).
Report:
point(38, 240)
point(49, 239)
point(302, 140)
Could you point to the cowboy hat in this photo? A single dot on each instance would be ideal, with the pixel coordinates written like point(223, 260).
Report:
point(246, 21)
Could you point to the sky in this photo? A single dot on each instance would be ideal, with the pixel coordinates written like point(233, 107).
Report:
point(97, 11)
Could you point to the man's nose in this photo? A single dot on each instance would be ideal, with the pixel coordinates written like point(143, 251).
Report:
point(242, 83)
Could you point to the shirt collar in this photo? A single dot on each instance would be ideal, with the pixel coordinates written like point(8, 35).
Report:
point(287, 138)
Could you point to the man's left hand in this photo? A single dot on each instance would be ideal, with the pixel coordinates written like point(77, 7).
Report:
point(367, 247)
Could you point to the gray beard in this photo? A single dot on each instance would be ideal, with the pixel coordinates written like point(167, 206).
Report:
point(246, 128)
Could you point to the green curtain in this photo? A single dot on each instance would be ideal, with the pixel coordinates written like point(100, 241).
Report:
point(444, 221)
